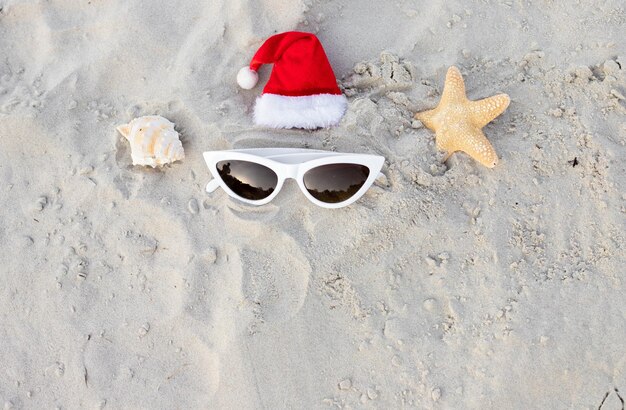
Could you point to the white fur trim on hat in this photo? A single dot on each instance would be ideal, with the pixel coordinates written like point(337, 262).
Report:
point(308, 112)
point(247, 78)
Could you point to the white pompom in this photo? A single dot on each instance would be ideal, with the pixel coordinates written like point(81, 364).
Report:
point(247, 78)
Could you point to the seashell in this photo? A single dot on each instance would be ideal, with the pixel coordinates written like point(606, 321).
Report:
point(153, 141)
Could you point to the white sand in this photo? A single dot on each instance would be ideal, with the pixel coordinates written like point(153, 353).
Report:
point(446, 286)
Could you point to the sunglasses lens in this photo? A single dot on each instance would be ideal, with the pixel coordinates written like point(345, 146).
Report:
point(247, 179)
point(335, 183)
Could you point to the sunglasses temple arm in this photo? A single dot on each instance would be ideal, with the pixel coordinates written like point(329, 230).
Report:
point(212, 185)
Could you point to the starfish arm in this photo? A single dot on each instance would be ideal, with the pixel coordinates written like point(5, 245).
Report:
point(482, 112)
point(444, 140)
point(453, 88)
point(427, 118)
point(476, 145)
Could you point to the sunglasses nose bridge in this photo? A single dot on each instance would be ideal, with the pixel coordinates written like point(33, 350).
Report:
point(289, 171)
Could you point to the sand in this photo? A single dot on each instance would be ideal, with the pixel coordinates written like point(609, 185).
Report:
point(447, 286)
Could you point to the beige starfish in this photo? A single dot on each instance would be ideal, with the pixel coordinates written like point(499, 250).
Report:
point(457, 121)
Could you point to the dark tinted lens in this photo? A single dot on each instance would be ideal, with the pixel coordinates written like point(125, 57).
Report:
point(247, 179)
point(335, 182)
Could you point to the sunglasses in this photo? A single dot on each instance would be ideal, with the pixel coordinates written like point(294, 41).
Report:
point(328, 179)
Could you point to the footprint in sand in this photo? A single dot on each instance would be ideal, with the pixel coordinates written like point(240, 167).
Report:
point(267, 267)
point(275, 270)
point(275, 278)
point(247, 286)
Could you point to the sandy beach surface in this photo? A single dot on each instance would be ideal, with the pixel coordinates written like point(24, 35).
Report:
point(447, 286)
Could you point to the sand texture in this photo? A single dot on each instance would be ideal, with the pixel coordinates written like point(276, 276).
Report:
point(447, 286)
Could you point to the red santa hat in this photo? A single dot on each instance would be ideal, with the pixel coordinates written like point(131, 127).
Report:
point(302, 89)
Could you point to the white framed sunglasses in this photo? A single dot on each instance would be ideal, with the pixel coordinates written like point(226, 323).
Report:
point(328, 179)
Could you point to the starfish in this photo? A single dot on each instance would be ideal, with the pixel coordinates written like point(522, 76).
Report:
point(458, 122)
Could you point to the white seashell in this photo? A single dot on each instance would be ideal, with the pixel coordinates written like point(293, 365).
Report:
point(153, 141)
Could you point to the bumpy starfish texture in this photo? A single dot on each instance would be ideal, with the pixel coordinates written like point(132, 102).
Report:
point(457, 121)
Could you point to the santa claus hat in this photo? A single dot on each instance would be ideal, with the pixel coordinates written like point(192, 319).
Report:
point(302, 90)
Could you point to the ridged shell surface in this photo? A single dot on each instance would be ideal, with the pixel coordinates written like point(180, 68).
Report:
point(153, 141)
